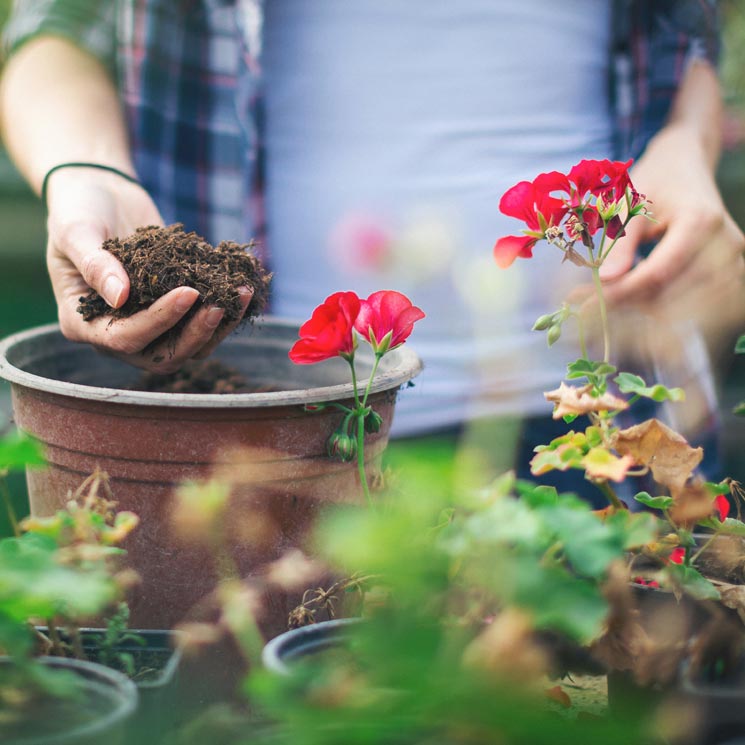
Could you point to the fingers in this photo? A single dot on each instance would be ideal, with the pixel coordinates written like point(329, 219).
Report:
point(130, 339)
point(131, 335)
point(80, 243)
point(246, 294)
point(670, 259)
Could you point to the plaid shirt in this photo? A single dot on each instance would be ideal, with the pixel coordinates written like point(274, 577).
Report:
point(189, 76)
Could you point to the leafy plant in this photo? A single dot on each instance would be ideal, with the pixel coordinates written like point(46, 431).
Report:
point(58, 572)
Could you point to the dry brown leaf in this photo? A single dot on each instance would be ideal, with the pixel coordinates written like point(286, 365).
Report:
point(692, 502)
point(507, 647)
point(662, 449)
point(569, 399)
point(733, 596)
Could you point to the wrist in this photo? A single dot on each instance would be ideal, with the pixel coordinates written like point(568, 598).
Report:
point(84, 171)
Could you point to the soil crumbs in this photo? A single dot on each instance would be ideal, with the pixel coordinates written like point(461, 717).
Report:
point(200, 376)
point(159, 260)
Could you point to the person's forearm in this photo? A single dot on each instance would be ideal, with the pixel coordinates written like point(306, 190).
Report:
point(58, 104)
point(698, 108)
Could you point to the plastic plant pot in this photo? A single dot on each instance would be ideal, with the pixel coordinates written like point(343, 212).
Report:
point(79, 404)
point(102, 702)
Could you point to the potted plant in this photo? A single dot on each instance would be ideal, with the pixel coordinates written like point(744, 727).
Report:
point(55, 699)
point(81, 406)
point(583, 213)
point(70, 560)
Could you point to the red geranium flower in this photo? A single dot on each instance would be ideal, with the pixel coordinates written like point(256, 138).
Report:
point(599, 178)
point(330, 330)
point(721, 505)
point(386, 319)
point(533, 203)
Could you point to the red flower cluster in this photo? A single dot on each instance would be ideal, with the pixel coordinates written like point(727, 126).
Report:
point(385, 319)
point(591, 193)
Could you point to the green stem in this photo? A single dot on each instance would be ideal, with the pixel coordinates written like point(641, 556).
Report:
point(378, 357)
point(703, 548)
point(8, 503)
point(361, 459)
point(604, 255)
point(359, 413)
point(350, 360)
point(610, 495)
point(603, 313)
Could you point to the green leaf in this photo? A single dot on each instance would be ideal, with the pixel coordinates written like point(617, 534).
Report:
point(715, 489)
point(628, 383)
point(635, 529)
point(656, 503)
point(559, 600)
point(740, 345)
point(536, 495)
point(18, 450)
point(739, 410)
point(35, 584)
point(561, 460)
point(693, 582)
point(589, 544)
point(730, 526)
point(582, 368)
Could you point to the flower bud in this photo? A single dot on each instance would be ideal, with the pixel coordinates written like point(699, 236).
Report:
point(553, 335)
point(342, 446)
point(373, 422)
point(544, 322)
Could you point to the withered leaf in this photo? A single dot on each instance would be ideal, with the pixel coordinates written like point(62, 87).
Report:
point(599, 463)
point(691, 503)
point(569, 399)
point(662, 449)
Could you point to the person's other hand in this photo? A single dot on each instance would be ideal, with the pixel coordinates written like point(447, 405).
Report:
point(86, 207)
point(697, 268)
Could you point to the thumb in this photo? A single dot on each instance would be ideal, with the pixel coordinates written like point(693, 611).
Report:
point(621, 258)
point(81, 243)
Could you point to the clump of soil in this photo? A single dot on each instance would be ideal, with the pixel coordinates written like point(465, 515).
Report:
point(159, 260)
point(200, 376)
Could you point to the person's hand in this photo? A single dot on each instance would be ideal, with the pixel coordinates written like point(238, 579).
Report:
point(697, 268)
point(86, 207)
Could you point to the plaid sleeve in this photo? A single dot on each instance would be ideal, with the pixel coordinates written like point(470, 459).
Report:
point(87, 23)
point(654, 42)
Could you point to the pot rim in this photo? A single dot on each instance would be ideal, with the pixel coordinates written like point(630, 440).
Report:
point(405, 365)
point(283, 649)
point(125, 704)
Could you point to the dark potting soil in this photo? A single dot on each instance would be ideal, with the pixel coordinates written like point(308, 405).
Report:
point(200, 376)
point(158, 260)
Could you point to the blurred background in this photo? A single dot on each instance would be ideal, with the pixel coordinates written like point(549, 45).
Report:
point(26, 299)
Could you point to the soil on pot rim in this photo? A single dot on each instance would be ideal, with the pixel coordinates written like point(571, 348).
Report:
point(160, 259)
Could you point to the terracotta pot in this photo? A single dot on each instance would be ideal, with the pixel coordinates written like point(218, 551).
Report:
point(77, 402)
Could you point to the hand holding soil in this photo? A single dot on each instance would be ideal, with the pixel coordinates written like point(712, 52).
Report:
point(215, 288)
